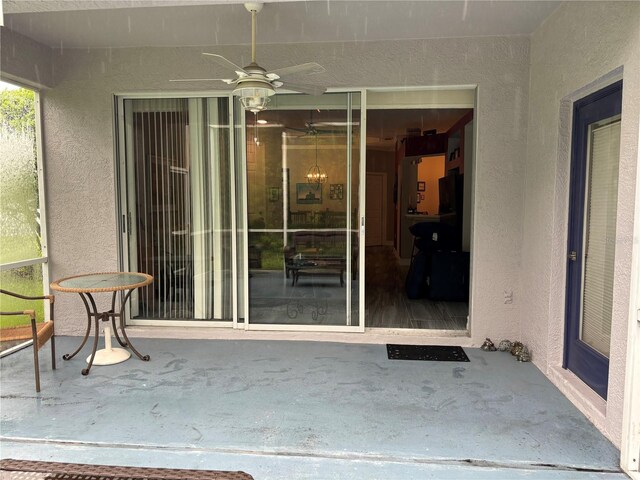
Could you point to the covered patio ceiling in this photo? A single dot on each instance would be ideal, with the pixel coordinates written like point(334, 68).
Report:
point(280, 409)
point(152, 23)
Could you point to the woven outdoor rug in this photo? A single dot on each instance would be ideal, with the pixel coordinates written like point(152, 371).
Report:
point(35, 470)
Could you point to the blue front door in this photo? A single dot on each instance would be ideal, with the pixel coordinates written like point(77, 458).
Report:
point(592, 235)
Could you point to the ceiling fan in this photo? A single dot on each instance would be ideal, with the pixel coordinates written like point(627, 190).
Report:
point(313, 128)
point(254, 84)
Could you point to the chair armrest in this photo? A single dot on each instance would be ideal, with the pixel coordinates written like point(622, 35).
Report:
point(51, 298)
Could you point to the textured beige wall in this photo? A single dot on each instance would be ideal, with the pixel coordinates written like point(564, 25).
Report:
point(78, 142)
point(578, 44)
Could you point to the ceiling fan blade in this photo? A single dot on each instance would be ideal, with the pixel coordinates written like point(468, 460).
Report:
point(308, 68)
point(299, 130)
point(334, 124)
point(223, 62)
point(302, 88)
point(228, 81)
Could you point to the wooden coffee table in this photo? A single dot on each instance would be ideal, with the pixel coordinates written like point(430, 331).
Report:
point(317, 265)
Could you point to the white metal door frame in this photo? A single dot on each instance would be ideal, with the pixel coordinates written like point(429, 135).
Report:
point(348, 328)
point(630, 448)
point(122, 200)
point(239, 221)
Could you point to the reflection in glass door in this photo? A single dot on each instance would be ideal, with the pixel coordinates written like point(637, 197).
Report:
point(302, 192)
point(178, 212)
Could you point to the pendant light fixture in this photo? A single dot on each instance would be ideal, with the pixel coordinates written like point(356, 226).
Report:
point(316, 175)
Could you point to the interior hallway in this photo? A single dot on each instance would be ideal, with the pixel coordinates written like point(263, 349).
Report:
point(387, 305)
point(280, 409)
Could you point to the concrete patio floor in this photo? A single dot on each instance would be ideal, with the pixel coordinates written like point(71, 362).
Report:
point(278, 409)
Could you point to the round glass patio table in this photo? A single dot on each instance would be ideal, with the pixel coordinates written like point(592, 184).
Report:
point(110, 282)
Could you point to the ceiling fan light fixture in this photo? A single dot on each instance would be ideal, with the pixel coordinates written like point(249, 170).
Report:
point(254, 95)
point(254, 104)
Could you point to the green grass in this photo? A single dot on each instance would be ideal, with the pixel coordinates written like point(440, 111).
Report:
point(272, 259)
point(13, 249)
point(25, 281)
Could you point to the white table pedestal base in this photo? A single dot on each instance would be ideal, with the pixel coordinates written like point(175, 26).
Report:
point(108, 355)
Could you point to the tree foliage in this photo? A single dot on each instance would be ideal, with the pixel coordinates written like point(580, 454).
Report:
point(17, 112)
point(19, 222)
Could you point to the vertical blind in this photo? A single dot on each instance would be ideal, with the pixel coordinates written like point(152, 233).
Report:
point(179, 191)
point(163, 207)
point(599, 238)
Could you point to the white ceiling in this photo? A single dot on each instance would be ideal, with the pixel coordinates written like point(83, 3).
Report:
point(138, 23)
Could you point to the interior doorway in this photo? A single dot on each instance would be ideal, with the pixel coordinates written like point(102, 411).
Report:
point(376, 208)
point(417, 274)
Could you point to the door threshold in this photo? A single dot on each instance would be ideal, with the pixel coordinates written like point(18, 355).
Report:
point(370, 336)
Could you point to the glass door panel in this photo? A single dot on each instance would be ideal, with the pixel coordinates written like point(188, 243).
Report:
point(302, 211)
point(178, 182)
point(599, 235)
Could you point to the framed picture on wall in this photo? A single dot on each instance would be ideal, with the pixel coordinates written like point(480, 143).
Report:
point(274, 194)
point(308, 193)
point(422, 186)
point(335, 191)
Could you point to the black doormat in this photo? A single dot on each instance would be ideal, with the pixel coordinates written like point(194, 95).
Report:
point(434, 353)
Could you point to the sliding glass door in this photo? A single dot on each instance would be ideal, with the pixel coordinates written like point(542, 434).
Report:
point(303, 212)
point(243, 220)
point(177, 217)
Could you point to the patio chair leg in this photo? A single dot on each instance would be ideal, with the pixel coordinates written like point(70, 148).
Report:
point(53, 333)
point(53, 352)
point(36, 365)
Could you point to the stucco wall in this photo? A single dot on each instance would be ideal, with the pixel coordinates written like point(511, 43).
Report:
point(78, 139)
point(576, 46)
point(24, 60)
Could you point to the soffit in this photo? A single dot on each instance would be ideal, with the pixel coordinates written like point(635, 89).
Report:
point(155, 23)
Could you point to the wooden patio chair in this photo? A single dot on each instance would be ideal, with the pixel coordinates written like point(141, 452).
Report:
point(39, 336)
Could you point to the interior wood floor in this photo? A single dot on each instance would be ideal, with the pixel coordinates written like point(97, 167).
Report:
point(387, 305)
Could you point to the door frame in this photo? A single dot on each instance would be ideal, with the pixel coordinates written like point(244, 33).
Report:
point(434, 98)
point(575, 350)
point(348, 328)
point(427, 97)
point(630, 446)
point(120, 126)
